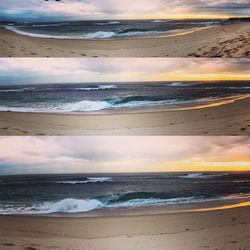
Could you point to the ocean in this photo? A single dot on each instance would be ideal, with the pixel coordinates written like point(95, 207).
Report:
point(108, 29)
point(97, 194)
point(117, 97)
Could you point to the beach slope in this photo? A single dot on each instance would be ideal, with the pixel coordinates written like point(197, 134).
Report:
point(230, 40)
point(225, 229)
point(229, 119)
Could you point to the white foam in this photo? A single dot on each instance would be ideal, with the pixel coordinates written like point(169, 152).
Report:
point(83, 106)
point(159, 21)
point(20, 109)
point(89, 106)
point(89, 180)
point(95, 35)
point(63, 206)
point(100, 34)
point(17, 90)
point(156, 202)
point(99, 87)
point(182, 84)
point(239, 87)
point(140, 33)
point(99, 179)
point(40, 35)
point(108, 23)
point(146, 103)
point(201, 176)
point(25, 33)
point(10, 90)
point(71, 205)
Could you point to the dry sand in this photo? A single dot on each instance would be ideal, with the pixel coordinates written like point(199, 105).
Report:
point(215, 230)
point(223, 41)
point(228, 119)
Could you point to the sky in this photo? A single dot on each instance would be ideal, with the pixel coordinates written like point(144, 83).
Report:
point(40, 10)
point(41, 155)
point(77, 70)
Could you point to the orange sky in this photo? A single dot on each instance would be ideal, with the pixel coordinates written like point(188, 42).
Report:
point(123, 154)
point(31, 10)
point(51, 70)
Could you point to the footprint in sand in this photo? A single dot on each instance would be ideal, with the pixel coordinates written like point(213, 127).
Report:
point(234, 242)
point(30, 248)
point(8, 244)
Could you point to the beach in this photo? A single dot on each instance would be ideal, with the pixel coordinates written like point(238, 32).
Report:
point(231, 40)
point(229, 119)
point(225, 229)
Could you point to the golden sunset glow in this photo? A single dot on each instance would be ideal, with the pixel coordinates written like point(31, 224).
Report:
point(75, 70)
point(31, 10)
point(200, 165)
point(182, 76)
point(188, 16)
point(123, 154)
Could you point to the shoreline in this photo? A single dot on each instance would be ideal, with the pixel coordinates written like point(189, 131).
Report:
point(230, 119)
point(189, 105)
point(229, 40)
point(115, 38)
point(227, 229)
point(123, 212)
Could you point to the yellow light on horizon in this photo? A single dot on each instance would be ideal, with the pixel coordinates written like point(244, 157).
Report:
point(201, 165)
point(189, 16)
point(182, 76)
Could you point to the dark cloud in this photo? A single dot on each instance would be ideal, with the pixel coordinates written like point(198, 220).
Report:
point(111, 154)
point(101, 9)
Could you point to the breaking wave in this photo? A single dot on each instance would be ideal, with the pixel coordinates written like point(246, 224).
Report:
point(182, 84)
point(92, 35)
point(88, 180)
point(91, 106)
point(202, 176)
point(127, 200)
point(99, 87)
point(108, 23)
point(63, 206)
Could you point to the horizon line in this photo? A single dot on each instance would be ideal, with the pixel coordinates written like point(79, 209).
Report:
point(106, 173)
point(205, 17)
point(122, 82)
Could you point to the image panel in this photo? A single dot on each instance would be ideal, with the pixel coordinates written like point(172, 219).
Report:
point(101, 28)
point(124, 192)
point(124, 96)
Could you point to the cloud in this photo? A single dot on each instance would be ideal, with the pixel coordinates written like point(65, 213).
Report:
point(108, 9)
point(20, 155)
point(75, 70)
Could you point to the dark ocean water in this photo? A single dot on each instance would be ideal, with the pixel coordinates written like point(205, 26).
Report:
point(110, 29)
point(81, 193)
point(106, 97)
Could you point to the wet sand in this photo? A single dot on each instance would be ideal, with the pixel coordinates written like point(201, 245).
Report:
point(229, 119)
point(222, 230)
point(222, 41)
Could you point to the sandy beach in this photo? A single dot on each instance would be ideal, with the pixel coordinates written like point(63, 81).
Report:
point(229, 119)
point(222, 41)
point(222, 229)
